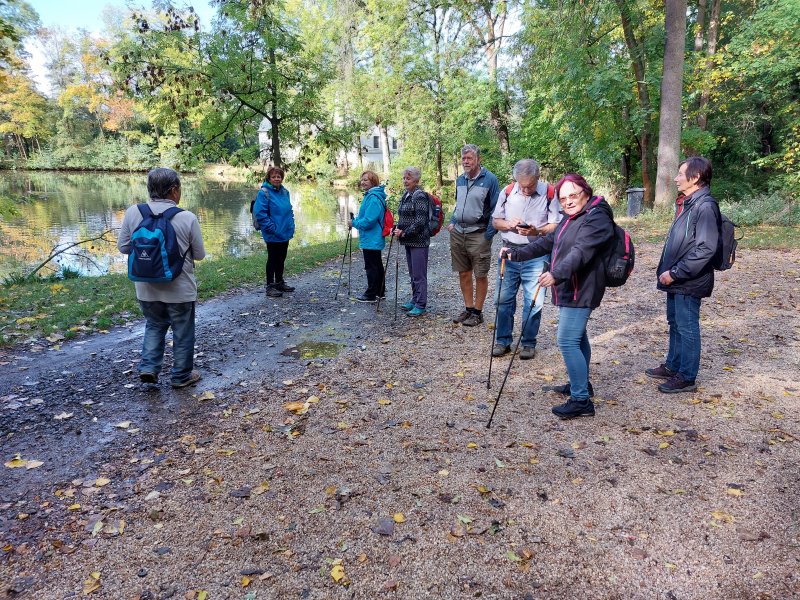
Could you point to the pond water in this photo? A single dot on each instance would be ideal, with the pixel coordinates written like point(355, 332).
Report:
point(40, 210)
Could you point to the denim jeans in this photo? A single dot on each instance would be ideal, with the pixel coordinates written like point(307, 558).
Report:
point(526, 274)
point(160, 317)
point(574, 345)
point(683, 316)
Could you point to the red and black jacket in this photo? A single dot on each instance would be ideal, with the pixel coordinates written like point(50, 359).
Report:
point(577, 247)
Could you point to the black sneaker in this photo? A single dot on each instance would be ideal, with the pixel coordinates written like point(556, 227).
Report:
point(676, 384)
point(574, 408)
point(282, 286)
point(462, 316)
point(565, 390)
point(660, 372)
point(365, 298)
point(473, 320)
point(146, 377)
point(273, 291)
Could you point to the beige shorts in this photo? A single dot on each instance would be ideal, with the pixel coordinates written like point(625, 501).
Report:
point(470, 252)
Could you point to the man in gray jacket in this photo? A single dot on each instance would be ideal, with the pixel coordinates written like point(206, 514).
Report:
point(170, 304)
point(686, 273)
point(471, 233)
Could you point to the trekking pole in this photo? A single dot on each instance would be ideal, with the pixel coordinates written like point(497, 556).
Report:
point(496, 310)
point(341, 268)
point(385, 268)
point(396, 277)
point(511, 362)
point(350, 264)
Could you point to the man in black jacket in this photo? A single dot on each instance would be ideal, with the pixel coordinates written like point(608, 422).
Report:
point(686, 273)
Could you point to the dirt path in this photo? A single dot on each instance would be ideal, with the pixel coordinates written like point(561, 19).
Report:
point(221, 489)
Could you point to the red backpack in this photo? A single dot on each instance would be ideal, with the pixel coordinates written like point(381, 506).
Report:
point(551, 192)
point(388, 220)
point(435, 214)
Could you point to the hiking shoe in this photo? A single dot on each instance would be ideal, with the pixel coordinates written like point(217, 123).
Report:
point(500, 350)
point(282, 286)
point(660, 372)
point(462, 316)
point(416, 312)
point(407, 306)
point(473, 320)
point(574, 408)
point(676, 384)
point(146, 377)
point(528, 352)
point(565, 390)
point(365, 298)
point(273, 292)
point(194, 377)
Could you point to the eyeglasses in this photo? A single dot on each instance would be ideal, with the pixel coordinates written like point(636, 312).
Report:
point(571, 197)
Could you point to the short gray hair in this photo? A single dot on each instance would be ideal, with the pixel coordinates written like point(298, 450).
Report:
point(525, 168)
point(471, 148)
point(160, 181)
point(415, 173)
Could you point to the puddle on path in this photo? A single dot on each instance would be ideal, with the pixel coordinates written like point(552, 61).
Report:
point(311, 349)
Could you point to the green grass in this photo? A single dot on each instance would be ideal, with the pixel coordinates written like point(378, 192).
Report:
point(53, 308)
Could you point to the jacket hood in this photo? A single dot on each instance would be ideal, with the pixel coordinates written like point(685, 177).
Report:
point(378, 191)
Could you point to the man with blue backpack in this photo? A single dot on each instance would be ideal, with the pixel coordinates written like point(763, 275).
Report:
point(162, 242)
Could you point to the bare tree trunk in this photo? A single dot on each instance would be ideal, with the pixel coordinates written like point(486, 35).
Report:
point(645, 136)
point(274, 118)
point(700, 26)
point(384, 133)
point(669, 128)
point(712, 37)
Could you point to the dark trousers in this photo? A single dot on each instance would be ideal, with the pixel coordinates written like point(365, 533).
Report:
point(373, 265)
point(417, 259)
point(276, 257)
point(159, 317)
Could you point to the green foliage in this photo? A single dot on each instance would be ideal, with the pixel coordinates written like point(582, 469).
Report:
point(777, 208)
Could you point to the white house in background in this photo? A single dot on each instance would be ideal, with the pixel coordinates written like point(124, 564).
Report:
point(371, 152)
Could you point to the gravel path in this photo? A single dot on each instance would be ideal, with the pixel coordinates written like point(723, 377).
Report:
point(385, 482)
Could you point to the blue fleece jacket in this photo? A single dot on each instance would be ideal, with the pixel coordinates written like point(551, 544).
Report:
point(273, 210)
point(369, 221)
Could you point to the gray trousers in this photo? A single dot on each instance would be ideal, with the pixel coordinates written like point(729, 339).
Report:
point(417, 259)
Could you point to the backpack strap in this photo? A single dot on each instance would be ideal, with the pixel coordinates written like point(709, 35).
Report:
point(171, 212)
point(509, 187)
point(144, 210)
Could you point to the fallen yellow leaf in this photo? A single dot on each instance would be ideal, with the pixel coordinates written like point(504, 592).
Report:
point(337, 573)
point(298, 407)
point(102, 481)
point(207, 395)
point(384, 402)
point(92, 583)
point(399, 518)
point(75, 506)
point(735, 492)
point(472, 445)
point(246, 581)
point(663, 445)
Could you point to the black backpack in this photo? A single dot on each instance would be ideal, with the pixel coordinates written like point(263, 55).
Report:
point(620, 257)
point(726, 251)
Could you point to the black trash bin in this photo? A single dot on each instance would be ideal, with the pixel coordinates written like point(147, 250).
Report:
point(635, 199)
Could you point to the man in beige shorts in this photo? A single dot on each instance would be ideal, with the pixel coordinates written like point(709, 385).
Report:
point(471, 233)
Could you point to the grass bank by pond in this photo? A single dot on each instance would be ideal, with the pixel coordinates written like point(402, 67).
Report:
point(60, 309)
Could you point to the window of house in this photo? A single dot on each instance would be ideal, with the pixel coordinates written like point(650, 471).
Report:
point(376, 141)
point(394, 144)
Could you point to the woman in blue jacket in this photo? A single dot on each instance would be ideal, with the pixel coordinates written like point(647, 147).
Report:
point(369, 223)
point(273, 210)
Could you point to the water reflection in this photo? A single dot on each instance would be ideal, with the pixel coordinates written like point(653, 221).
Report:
point(39, 211)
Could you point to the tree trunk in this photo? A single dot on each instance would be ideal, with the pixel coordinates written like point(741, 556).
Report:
point(700, 26)
point(645, 136)
point(274, 118)
point(669, 128)
point(712, 37)
point(384, 132)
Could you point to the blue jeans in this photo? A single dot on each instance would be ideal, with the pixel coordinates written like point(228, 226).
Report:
point(160, 317)
point(526, 274)
point(574, 345)
point(683, 316)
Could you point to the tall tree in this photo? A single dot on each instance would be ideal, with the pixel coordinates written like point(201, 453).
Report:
point(669, 130)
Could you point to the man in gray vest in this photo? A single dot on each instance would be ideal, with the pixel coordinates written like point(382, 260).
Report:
point(471, 233)
point(524, 211)
point(170, 304)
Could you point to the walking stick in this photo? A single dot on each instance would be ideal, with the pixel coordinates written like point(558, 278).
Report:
point(350, 264)
point(385, 268)
point(524, 325)
point(341, 268)
point(496, 310)
point(396, 277)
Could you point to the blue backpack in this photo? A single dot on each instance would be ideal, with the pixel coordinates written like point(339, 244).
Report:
point(155, 255)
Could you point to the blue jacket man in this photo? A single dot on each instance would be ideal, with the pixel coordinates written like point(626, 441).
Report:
point(471, 232)
point(686, 273)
